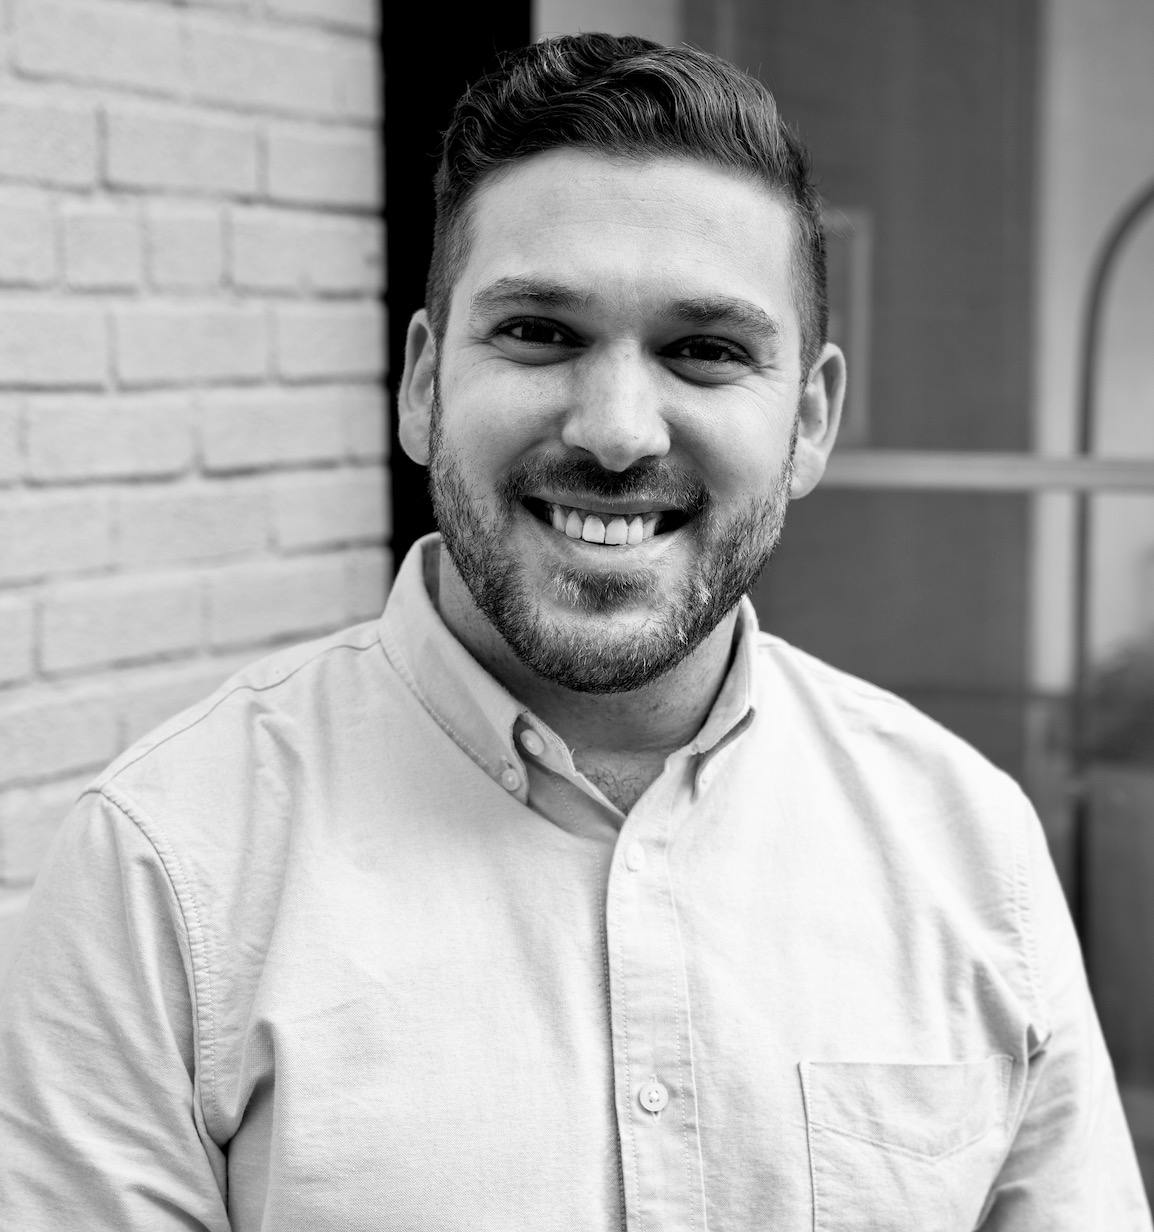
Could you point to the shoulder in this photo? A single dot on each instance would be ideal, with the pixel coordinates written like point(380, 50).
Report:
point(905, 782)
point(846, 711)
point(820, 682)
point(234, 762)
point(295, 680)
point(888, 786)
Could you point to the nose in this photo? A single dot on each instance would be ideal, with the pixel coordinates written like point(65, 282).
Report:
point(617, 412)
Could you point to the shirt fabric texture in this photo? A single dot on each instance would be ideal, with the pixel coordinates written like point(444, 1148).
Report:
point(352, 945)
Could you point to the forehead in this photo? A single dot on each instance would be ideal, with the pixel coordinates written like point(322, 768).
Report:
point(630, 230)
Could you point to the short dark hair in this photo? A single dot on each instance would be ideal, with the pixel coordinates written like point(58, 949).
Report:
point(625, 97)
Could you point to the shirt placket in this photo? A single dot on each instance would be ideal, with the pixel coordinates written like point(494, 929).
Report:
point(649, 1019)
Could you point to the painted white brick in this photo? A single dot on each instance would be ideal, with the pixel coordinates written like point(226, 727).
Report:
point(368, 576)
point(346, 256)
point(29, 819)
point(181, 150)
point(27, 242)
point(320, 340)
point(346, 506)
point(265, 249)
point(367, 423)
point(325, 166)
point(43, 533)
point(185, 246)
point(52, 344)
point(242, 429)
point(48, 142)
point(255, 67)
point(109, 436)
point(5, 59)
point(45, 734)
point(233, 6)
point(361, 94)
point(16, 639)
point(278, 250)
point(187, 343)
point(275, 599)
point(118, 620)
point(191, 523)
point(102, 246)
point(11, 451)
point(352, 14)
point(131, 45)
point(148, 696)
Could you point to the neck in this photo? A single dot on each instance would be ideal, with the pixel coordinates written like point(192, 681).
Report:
point(632, 731)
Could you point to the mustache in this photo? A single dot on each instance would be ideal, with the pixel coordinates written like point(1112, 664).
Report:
point(649, 480)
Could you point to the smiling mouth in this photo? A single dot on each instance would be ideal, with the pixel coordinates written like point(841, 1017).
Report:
point(605, 527)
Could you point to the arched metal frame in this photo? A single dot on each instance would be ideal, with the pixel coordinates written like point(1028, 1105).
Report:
point(1104, 268)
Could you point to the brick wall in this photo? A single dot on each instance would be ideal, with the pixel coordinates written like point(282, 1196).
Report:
point(192, 425)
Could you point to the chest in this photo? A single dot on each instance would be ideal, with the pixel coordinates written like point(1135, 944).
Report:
point(516, 1028)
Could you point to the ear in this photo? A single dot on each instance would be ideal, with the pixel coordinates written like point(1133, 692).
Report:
point(415, 395)
point(819, 414)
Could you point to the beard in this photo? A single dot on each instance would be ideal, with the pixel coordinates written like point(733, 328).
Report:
point(589, 655)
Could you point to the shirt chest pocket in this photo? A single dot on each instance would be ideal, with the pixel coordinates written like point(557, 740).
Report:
point(904, 1148)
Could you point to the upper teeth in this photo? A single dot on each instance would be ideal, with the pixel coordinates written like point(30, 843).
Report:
point(594, 528)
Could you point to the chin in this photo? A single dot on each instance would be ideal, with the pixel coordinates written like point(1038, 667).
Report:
point(604, 593)
point(589, 662)
point(601, 643)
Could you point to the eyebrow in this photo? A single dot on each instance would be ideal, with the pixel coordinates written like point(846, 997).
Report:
point(709, 311)
point(699, 311)
point(505, 292)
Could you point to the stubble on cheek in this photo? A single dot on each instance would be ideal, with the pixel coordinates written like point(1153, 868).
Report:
point(587, 651)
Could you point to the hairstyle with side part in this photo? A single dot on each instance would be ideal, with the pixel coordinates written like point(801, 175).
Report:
point(632, 98)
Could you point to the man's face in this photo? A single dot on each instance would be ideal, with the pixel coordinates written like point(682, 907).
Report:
point(614, 409)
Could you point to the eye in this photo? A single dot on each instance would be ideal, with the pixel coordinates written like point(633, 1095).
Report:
point(708, 356)
point(533, 332)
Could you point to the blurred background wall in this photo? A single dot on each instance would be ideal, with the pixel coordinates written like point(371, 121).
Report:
point(1096, 153)
point(192, 427)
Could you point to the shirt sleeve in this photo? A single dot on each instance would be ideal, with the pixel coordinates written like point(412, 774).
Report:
point(1072, 1166)
point(100, 1108)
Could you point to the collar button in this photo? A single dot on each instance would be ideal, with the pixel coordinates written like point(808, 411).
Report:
point(532, 743)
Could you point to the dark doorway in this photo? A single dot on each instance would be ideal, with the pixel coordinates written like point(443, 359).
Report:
point(429, 57)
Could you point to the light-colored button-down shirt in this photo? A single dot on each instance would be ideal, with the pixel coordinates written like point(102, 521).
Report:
point(352, 945)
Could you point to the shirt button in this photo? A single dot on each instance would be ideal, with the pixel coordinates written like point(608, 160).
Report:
point(532, 743)
point(653, 1096)
point(634, 857)
point(510, 779)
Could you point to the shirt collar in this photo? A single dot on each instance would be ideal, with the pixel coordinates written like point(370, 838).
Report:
point(477, 711)
point(474, 708)
point(733, 710)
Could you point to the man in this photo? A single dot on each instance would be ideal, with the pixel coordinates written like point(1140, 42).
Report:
point(562, 898)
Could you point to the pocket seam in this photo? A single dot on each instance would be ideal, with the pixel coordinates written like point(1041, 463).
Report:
point(1005, 1070)
point(894, 1146)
